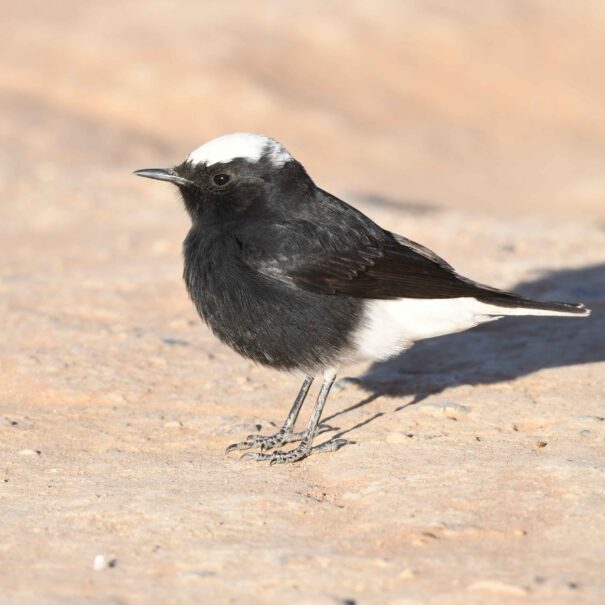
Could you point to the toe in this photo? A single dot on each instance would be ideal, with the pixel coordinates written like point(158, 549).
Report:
point(331, 446)
point(232, 448)
point(255, 456)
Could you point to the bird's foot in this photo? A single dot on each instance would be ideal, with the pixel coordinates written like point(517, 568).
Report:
point(298, 453)
point(266, 442)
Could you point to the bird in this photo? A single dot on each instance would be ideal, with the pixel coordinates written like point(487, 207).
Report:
point(293, 278)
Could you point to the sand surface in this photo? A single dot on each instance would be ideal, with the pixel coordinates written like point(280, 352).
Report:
point(477, 472)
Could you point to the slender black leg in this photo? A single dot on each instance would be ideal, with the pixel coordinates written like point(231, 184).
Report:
point(305, 447)
point(285, 434)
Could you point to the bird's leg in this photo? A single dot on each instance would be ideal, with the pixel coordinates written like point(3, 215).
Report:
point(285, 434)
point(305, 447)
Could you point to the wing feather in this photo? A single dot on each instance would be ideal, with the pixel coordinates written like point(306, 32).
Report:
point(356, 263)
point(355, 257)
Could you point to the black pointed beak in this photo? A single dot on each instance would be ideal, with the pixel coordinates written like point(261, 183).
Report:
point(163, 174)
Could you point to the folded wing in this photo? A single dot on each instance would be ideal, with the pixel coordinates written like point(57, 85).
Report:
point(360, 259)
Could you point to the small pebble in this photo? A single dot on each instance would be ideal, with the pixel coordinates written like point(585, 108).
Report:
point(196, 573)
point(426, 537)
point(591, 418)
point(498, 587)
point(102, 562)
point(541, 444)
point(28, 452)
point(173, 424)
point(407, 574)
point(445, 408)
point(175, 342)
point(238, 428)
point(323, 599)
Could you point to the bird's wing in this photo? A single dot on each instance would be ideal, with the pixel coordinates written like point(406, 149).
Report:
point(352, 259)
point(349, 255)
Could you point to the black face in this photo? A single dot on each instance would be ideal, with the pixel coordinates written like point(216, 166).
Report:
point(227, 191)
point(223, 191)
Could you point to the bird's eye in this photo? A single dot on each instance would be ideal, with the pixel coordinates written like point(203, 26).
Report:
point(221, 179)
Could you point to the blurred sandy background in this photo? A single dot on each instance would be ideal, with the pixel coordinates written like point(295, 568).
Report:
point(477, 128)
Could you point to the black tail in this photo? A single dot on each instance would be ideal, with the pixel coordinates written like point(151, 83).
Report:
point(508, 299)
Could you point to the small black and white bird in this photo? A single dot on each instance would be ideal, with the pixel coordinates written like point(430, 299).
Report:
point(296, 279)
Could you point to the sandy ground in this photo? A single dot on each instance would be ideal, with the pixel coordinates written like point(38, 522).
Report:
point(476, 475)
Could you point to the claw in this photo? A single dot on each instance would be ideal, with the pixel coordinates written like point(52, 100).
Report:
point(326, 428)
point(254, 456)
point(249, 443)
point(231, 448)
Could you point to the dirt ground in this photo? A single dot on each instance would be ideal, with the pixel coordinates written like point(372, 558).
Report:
point(476, 475)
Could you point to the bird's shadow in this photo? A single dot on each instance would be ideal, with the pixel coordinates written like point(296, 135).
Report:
point(499, 351)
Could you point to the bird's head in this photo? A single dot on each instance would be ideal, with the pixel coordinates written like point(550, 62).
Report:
point(230, 174)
